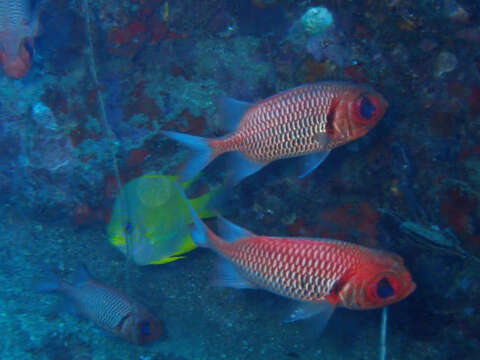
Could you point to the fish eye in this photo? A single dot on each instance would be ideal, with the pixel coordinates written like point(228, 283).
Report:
point(145, 328)
point(384, 288)
point(128, 228)
point(366, 108)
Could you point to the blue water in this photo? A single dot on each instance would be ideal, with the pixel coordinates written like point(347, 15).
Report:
point(411, 186)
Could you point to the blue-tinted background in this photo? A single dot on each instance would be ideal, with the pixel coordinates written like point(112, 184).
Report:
point(411, 186)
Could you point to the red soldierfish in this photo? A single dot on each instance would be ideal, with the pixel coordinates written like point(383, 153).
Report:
point(18, 27)
point(108, 308)
point(308, 120)
point(320, 273)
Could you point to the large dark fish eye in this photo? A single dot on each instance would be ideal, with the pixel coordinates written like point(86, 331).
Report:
point(384, 289)
point(128, 228)
point(366, 108)
point(145, 328)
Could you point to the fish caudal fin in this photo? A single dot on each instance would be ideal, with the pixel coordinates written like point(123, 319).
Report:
point(203, 153)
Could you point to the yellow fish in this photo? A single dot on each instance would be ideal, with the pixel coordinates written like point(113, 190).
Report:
point(153, 213)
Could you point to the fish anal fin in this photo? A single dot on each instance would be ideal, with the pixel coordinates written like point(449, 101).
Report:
point(311, 162)
point(241, 168)
point(321, 310)
point(228, 276)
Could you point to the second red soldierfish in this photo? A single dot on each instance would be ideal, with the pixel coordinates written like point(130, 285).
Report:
point(18, 27)
point(108, 308)
point(320, 274)
point(307, 121)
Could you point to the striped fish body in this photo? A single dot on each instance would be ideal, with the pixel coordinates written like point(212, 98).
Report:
point(108, 308)
point(320, 273)
point(304, 270)
point(17, 28)
point(312, 270)
point(308, 120)
point(105, 306)
point(304, 120)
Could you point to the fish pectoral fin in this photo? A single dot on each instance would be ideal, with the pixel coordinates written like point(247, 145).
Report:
point(308, 163)
point(230, 231)
point(231, 112)
point(322, 310)
point(228, 276)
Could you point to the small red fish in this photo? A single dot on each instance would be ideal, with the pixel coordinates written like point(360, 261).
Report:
point(307, 120)
point(18, 27)
point(320, 273)
point(108, 308)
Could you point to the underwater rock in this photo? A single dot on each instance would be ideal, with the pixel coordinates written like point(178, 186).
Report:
point(316, 20)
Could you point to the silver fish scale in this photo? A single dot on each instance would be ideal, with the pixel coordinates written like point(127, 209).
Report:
point(286, 125)
point(13, 13)
point(301, 270)
point(105, 306)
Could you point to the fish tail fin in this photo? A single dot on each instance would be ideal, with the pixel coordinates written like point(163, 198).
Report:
point(203, 153)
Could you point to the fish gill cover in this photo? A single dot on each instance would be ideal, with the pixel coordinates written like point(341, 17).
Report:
point(83, 114)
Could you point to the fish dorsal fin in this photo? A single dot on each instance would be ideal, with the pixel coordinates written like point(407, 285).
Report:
point(81, 275)
point(231, 111)
point(230, 231)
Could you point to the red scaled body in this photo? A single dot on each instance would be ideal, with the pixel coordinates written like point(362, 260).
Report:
point(309, 120)
point(315, 270)
point(304, 120)
point(18, 27)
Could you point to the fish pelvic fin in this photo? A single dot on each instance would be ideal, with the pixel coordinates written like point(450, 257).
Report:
point(203, 153)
